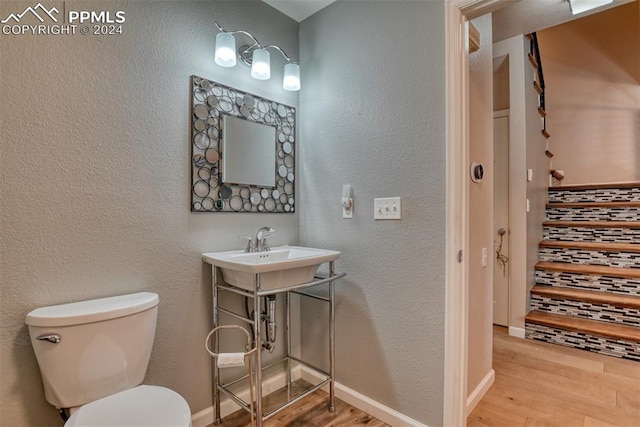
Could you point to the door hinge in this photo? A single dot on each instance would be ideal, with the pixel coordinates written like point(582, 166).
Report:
point(460, 255)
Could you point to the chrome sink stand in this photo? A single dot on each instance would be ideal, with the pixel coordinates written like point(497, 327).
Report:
point(256, 294)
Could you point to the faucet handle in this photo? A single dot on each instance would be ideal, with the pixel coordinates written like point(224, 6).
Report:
point(250, 245)
point(261, 239)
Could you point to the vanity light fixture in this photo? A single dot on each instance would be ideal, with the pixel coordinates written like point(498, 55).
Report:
point(580, 6)
point(256, 56)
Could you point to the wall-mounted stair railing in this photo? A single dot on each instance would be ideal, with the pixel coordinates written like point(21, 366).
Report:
point(540, 87)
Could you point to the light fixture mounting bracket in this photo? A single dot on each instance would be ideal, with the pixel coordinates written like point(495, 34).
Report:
point(245, 54)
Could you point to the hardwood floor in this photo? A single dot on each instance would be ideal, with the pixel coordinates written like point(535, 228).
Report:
point(543, 384)
point(537, 384)
point(309, 412)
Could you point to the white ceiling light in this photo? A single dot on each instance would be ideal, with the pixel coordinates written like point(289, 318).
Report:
point(580, 6)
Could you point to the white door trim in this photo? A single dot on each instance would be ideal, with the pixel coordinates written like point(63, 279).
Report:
point(457, 146)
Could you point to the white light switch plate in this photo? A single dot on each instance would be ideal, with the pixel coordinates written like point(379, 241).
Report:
point(387, 208)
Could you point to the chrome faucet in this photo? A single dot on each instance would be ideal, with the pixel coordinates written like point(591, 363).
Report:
point(259, 244)
point(261, 239)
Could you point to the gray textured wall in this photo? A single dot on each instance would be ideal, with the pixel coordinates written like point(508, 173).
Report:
point(96, 187)
point(372, 115)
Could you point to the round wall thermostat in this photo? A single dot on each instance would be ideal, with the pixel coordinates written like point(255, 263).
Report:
point(477, 172)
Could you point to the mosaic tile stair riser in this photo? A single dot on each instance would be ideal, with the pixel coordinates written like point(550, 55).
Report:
point(620, 283)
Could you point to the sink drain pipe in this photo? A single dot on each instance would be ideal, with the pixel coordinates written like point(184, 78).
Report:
point(271, 319)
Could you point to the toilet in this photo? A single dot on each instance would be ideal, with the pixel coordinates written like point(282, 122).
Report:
point(93, 356)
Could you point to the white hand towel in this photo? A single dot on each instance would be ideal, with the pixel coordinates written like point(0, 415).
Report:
point(230, 360)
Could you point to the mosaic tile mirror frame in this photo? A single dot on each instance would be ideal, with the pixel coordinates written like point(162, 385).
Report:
point(211, 103)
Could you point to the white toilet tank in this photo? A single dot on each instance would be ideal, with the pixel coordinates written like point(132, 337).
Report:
point(104, 346)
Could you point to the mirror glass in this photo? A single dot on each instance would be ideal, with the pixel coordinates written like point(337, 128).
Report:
point(248, 152)
point(242, 151)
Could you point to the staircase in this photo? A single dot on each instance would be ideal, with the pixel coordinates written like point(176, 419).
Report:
point(587, 292)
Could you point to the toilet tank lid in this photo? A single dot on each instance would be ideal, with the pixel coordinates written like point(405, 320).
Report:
point(77, 313)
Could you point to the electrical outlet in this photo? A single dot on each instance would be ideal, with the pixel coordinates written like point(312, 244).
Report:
point(387, 208)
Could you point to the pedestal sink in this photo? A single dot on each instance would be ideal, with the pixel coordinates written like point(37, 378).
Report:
point(281, 267)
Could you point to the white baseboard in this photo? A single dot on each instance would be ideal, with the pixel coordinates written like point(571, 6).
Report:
point(480, 391)
point(364, 403)
point(516, 332)
point(227, 406)
point(352, 397)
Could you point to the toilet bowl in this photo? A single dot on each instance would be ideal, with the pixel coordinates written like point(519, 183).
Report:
point(93, 356)
point(144, 405)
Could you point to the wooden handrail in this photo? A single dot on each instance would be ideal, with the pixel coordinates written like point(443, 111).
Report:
point(536, 61)
point(535, 49)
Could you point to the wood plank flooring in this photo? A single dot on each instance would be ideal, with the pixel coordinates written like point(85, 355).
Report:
point(543, 384)
point(537, 384)
point(309, 412)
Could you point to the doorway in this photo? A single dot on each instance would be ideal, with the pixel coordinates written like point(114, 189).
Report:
point(501, 218)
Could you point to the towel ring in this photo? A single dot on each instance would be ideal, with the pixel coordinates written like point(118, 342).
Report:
point(247, 353)
point(214, 330)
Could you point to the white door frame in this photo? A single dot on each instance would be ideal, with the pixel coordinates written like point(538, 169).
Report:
point(457, 214)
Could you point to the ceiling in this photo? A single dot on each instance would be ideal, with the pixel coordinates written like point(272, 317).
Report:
point(520, 17)
point(526, 16)
point(299, 9)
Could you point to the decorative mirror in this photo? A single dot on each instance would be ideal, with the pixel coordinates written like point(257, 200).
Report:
point(242, 151)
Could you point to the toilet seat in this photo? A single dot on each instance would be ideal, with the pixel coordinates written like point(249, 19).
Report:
point(141, 406)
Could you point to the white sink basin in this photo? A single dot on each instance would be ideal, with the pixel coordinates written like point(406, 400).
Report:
point(280, 267)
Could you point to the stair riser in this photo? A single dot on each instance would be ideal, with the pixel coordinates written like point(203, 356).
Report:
point(599, 195)
point(589, 234)
point(590, 257)
point(593, 214)
point(586, 310)
point(608, 346)
point(617, 285)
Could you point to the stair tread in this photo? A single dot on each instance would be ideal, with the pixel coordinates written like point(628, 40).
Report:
point(538, 88)
point(601, 270)
point(595, 327)
point(617, 300)
point(616, 247)
point(580, 187)
point(542, 112)
point(593, 224)
point(593, 205)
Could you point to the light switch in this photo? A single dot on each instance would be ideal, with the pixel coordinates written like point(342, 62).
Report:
point(484, 257)
point(387, 208)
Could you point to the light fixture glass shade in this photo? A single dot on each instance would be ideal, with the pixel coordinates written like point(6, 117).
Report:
point(291, 80)
point(580, 6)
point(261, 65)
point(225, 50)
